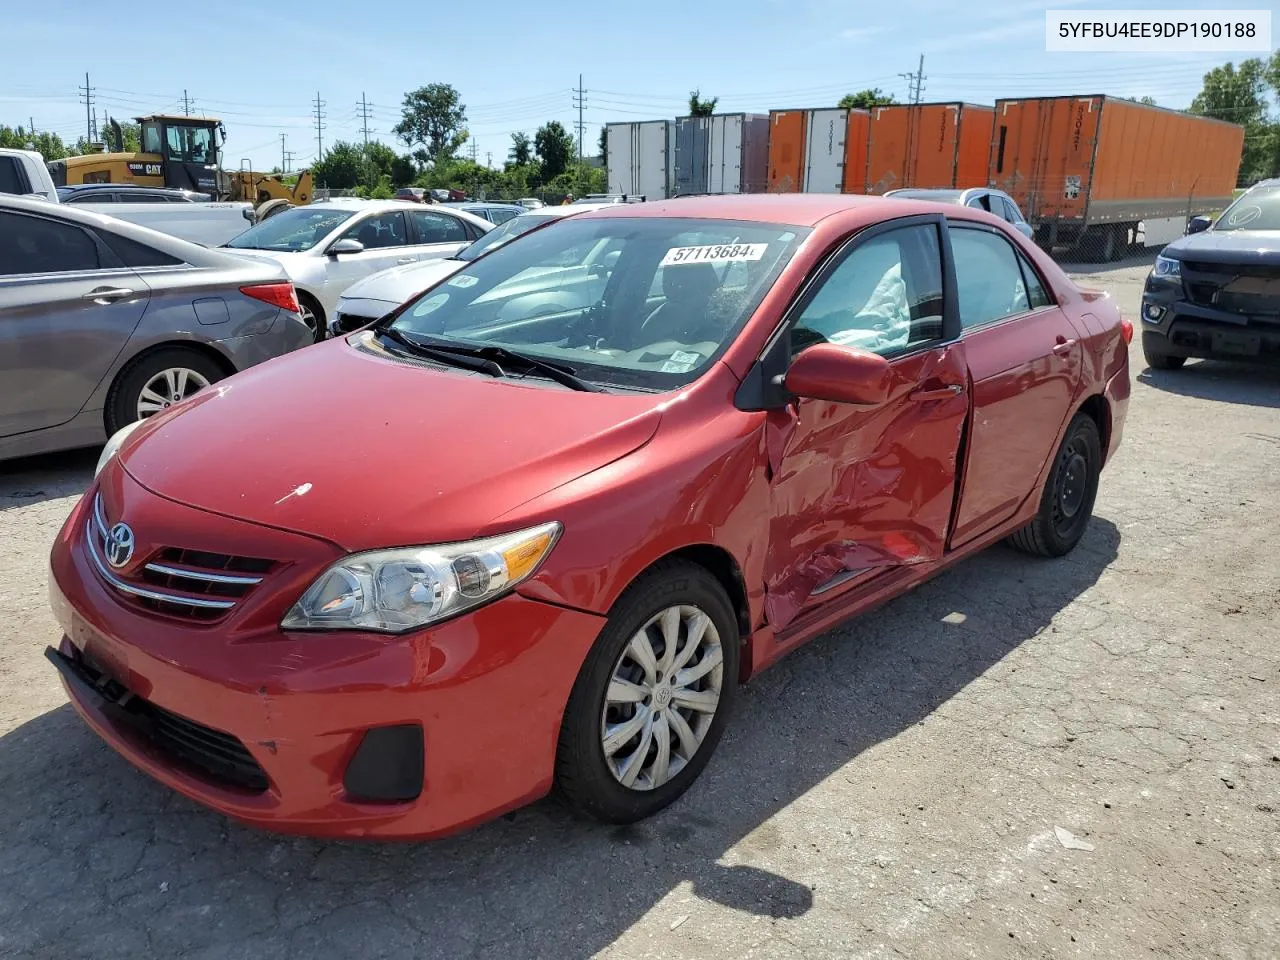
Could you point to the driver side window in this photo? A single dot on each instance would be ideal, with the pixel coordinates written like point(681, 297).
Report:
point(381, 230)
point(885, 296)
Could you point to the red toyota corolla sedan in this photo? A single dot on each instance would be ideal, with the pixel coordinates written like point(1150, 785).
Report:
point(532, 529)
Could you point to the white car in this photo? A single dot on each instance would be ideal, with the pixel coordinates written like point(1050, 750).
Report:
point(325, 247)
point(376, 296)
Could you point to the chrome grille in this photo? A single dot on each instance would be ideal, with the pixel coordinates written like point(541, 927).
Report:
point(191, 584)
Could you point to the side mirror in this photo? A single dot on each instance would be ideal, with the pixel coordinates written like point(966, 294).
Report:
point(1024, 228)
point(1198, 224)
point(828, 371)
point(346, 245)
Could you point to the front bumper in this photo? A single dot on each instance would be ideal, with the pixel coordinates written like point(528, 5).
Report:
point(1187, 329)
point(487, 691)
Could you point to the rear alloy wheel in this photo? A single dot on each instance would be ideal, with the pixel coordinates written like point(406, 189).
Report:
point(312, 316)
point(651, 700)
point(1069, 492)
point(157, 382)
point(1156, 357)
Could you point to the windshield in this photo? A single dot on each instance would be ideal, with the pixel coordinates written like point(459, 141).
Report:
point(190, 144)
point(292, 231)
point(1259, 209)
point(496, 237)
point(646, 302)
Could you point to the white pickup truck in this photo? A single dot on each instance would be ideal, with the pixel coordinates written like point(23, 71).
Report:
point(209, 224)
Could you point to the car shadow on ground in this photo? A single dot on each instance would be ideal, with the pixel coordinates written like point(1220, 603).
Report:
point(1071, 261)
point(99, 860)
point(49, 476)
point(1228, 382)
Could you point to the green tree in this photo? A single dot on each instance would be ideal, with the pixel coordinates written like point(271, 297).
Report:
point(403, 170)
point(433, 119)
point(1239, 95)
point(130, 140)
point(866, 99)
point(603, 145)
point(380, 159)
point(342, 167)
point(521, 153)
point(48, 145)
point(554, 147)
point(701, 107)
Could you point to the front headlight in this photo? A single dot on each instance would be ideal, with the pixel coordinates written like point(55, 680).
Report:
point(1169, 268)
point(403, 589)
point(113, 445)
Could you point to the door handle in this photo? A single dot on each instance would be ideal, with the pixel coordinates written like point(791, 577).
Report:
point(925, 394)
point(1063, 346)
point(106, 295)
point(407, 260)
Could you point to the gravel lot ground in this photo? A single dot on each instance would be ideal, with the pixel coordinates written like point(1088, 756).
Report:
point(893, 789)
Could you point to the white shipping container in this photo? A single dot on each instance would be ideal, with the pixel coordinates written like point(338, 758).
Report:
point(724, 154)
point(824, 151)
point(639, 158)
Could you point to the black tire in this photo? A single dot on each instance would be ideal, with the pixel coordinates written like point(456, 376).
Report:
point(1154, 353)
point(1069, 492)
point(583, 778)
point(313, 316)
point(126, 392)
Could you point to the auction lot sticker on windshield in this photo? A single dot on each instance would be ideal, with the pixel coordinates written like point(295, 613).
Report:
point(715, 253)
point(464, 280)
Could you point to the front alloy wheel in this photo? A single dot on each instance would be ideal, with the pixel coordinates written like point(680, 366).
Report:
point(169, 386)
point(652, 697)
point(662, 697)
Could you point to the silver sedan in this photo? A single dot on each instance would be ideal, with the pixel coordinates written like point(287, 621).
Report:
point(103, 323)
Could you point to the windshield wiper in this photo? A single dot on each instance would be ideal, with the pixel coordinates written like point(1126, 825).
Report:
point(494, 354)
point(432, 352)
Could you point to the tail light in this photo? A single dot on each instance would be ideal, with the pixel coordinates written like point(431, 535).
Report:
point(280, 295)
point(1126, 330)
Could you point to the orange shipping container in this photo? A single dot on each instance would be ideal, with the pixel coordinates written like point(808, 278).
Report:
point(786, 150)
point(928, 145)
point(1095, 163)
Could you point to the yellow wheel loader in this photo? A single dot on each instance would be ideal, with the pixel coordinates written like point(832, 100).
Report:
point(185, 152)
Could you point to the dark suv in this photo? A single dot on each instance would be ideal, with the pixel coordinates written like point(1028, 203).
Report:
point(127, 193)
point(1216, 292)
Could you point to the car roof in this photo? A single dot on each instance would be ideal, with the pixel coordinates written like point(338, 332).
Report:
point(373, 206)
point(192, 253)
point(795, 209)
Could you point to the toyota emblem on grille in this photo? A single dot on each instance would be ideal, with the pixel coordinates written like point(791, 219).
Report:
point(119, 545)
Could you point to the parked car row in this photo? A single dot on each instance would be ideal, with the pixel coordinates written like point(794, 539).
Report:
point(103, 322)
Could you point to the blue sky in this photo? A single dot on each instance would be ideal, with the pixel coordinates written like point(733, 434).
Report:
point(516, 63)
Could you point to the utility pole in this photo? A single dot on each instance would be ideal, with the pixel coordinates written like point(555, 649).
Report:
point(488, 158)
point(288, 161)
point(32, 129)
point(474, 150)
point(87, 92)
point(186, 104)
point(915, 83)
point(364, 117)
point(95, 124)
point(284, 155)
point(580, 101)
point(319, 127)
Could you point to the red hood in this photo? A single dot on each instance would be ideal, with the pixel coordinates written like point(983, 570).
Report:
point(368, 452)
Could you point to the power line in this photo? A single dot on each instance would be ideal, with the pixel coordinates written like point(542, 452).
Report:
point(319, 126)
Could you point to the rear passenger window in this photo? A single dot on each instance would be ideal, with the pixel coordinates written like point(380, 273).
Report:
point(134, 254)
point(886, 296)
point(1037, 295)
point(12, 178)
point(988, 277)
point(438, 227)
point(35, 245)
point(1010, 211)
